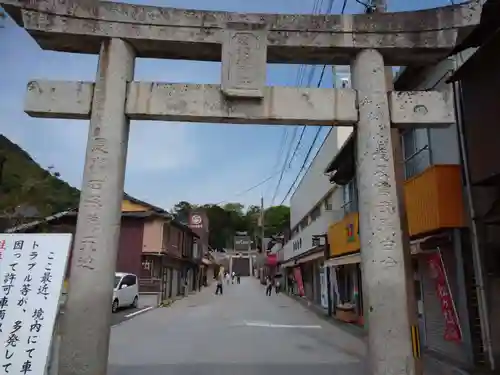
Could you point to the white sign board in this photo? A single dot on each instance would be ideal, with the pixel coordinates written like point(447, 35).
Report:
point(32, 270)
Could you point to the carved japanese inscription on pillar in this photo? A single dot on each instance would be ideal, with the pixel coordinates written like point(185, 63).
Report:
point(244, 56)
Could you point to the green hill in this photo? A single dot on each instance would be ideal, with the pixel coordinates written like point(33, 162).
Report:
point(27, 189)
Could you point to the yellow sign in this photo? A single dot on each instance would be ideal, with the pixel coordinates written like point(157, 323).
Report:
point(343, 235)
point(415, 341)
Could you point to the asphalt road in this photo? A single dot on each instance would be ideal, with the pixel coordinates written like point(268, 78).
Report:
point(126, 313)
point(243, 332)
point(122, 315)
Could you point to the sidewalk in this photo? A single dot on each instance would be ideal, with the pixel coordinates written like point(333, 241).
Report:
point(432, 366)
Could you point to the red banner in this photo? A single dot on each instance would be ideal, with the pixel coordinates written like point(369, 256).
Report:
point(438, 273)
point(298, 280)
point(272, 260)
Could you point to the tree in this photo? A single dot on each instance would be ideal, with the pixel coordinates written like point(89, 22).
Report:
point(181, 211)
point(22, 203)
point(237, 208)
point(276, 220)
point(27, 190)
point(225, 221)
point(220, 225)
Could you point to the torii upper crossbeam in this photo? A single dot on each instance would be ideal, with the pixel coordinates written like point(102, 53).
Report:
point(403, 38)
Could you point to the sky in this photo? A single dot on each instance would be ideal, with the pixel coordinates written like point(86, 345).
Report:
point(167, 161)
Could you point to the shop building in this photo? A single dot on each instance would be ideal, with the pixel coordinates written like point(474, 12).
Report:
point(311, 204)
point(442, 270)
point(476, 86)
point(160, 251)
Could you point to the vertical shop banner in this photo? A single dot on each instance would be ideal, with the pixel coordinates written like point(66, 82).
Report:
point(323, 286)
point(335, 285)
point(438, 274)
point(298, 279)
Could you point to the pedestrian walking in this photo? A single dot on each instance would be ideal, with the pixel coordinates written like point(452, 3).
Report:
point(219, 290)
point(269, 286)
point(277, 286)
point(238, 279)
point(290, 285)
point(228, 278)
point(233, 276)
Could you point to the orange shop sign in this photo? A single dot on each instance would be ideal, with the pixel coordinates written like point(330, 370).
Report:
point(343, 235)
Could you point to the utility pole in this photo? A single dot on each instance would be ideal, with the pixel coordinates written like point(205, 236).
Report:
point(262, 224)
point(328, 277)
point(379, 6)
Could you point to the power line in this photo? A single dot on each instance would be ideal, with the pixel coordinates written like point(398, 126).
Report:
point(299, 79)
point(303, 164)
point(300, 75)
point(304, 127)
point(284, 166)
point(311, 76)
point(251, 188)
point(280, 152)
point(343, 7)
point(330, 6)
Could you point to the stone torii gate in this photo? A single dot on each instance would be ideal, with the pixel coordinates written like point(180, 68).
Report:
point(244, 43)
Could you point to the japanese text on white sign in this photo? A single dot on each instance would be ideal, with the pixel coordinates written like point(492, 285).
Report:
point(32, 270)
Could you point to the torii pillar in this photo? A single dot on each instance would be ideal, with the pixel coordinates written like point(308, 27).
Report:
point(385, 281)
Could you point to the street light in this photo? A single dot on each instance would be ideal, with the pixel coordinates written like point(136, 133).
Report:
point(322, 240)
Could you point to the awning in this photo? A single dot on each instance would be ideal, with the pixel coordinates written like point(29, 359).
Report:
point(343, 166)
point(289, 263)
point(416, 247)
point(308, 258)
point(346, 259)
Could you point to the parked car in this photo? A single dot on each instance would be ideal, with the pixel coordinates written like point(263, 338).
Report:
point(126, 291)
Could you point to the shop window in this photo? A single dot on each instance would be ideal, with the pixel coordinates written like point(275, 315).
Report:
point(147, 268)
point(344, 284)
point(304, 223)
point(166, 235)
point(350, 197)
point(297, 244)
point(327, 203)
point(416, 151)
point(359, 297)
point(315, 213)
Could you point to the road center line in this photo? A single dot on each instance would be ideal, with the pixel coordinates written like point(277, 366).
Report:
point(139, 312)
point(271, 325)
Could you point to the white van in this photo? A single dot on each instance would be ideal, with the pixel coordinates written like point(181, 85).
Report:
point(126, 291)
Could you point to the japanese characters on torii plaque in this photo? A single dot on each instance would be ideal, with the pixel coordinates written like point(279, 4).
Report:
point(32, 270)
